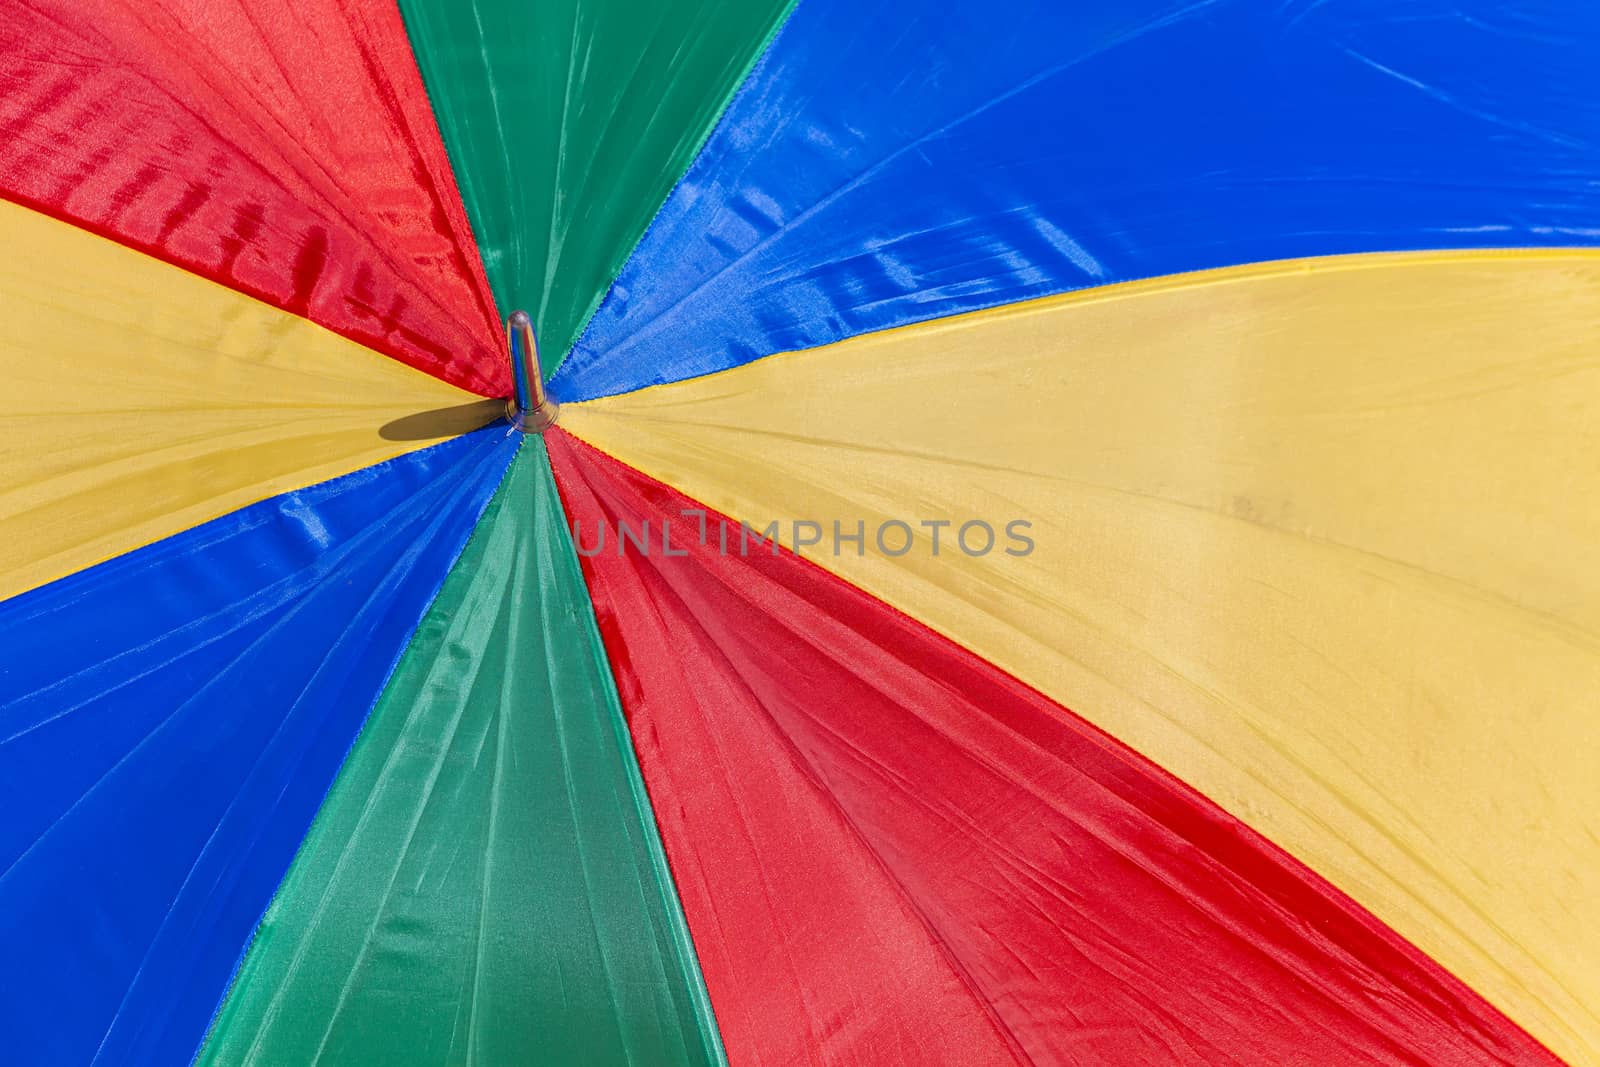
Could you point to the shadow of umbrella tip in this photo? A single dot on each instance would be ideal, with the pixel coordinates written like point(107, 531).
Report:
point(443, 422)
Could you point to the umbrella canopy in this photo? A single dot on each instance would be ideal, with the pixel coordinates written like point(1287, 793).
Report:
point(1068, 535)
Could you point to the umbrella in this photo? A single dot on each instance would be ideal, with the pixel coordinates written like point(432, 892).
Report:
point(704, 531)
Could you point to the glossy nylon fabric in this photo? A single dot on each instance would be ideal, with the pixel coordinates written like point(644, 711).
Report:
point(569, 121)
point(884, 165)
point(141, 400)
point(484, 883)
point(1013, 885)
point(284, 148)
point(170, 722)
point(1315, 537)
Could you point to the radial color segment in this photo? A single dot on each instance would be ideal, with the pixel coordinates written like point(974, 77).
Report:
point(284, 148)
point(170, 722)
point(142, 400)
point(484, 884)
point(568, 122)
point(1249, 491)
point(846, 796)
point(885, 166)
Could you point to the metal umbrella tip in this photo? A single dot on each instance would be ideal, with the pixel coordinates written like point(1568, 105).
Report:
point(529, 410)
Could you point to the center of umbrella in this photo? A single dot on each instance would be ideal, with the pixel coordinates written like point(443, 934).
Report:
point(529, 410)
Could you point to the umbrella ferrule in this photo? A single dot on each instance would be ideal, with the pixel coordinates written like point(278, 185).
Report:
point(530, 410)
